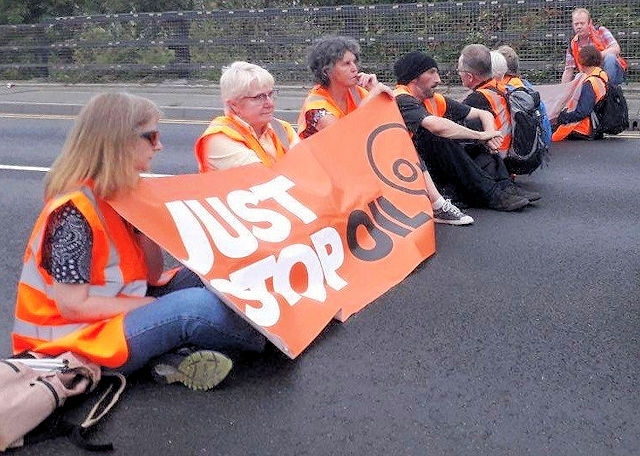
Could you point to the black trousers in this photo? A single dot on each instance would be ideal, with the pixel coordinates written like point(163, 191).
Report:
point(469, 171)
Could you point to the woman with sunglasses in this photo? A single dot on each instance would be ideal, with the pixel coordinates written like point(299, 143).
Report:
point(91, 282)
point(340, 88)
point(247, 132)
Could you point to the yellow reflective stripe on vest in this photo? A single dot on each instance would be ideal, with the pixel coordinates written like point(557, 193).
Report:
point(500, 113)
point(280, 132)
point(356, 95)
point(42, 332)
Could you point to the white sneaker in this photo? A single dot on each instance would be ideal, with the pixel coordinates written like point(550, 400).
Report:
point(451, 215)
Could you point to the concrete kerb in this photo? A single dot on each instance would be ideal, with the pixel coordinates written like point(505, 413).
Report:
point(184, 100)
point(179, 101)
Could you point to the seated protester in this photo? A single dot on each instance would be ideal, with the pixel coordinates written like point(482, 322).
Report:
point(513, 79)
point(339, 91)
point(474, 68)
point(586, 33)
point(476, 73)
point(90, 282)
point(248, 132)
point(498, 65)
point(433, 123)
point(339, 88)
point(574, 122)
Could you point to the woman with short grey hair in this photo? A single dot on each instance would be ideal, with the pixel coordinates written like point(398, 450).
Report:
point(248, 132)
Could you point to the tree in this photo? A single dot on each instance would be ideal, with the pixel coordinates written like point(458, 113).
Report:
point(34, 11)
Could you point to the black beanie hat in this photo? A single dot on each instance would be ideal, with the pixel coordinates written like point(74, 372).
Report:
point(412, 65)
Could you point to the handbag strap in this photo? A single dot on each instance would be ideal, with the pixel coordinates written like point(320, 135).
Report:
point(107, 400)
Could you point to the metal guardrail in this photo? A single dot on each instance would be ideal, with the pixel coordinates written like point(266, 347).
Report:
point(196, 44)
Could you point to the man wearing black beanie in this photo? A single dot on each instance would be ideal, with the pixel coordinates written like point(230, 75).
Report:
point(435, 125)
point(412, 65)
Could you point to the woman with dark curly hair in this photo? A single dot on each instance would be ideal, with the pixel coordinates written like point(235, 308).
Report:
point(340, 88)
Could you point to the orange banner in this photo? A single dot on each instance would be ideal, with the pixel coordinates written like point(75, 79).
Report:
point(325, 231)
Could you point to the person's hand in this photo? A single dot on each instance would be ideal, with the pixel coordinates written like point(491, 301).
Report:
point(368, 81)
point(381, 88)
point(493, 139)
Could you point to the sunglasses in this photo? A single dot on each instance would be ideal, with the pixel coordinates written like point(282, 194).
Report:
point(152, 136)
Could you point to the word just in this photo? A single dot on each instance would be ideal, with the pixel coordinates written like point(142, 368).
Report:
point(204, 225)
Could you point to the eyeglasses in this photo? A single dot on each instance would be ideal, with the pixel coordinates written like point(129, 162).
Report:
point(262, 97)
point(152, 136)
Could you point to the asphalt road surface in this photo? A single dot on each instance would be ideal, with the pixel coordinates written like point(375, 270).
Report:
point(520, 336)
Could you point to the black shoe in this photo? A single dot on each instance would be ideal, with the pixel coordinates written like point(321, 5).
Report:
point(519, 191)
point(505, 201)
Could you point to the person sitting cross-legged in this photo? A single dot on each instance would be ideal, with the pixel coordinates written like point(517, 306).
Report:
point(339, 90)
point(94, 285)
point(574, 122)
point(488, 94)
point(433, 121)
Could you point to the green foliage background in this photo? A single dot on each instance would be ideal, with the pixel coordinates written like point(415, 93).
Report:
point(108, 40)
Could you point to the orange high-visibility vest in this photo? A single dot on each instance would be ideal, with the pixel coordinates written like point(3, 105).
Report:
point(598, 42)
point(436, 106)
point(513, 81)
point(320, 98)
point(401, 90)
point(118, 268)
point(281, 132)
point(496, 95)
point(583, 127)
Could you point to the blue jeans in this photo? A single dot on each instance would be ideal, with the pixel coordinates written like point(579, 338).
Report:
point(612, 67)
point(185, 313)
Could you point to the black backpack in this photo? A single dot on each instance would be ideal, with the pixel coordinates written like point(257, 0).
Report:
point(611, 114)
point(528, 149)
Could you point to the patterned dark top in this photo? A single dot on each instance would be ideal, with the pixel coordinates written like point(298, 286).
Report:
point(67, 246)
point(312, 117)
